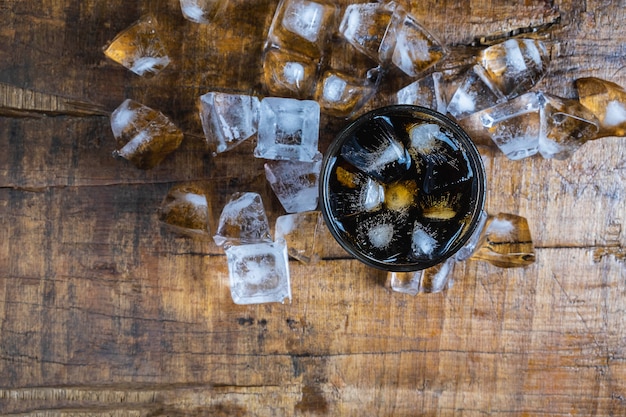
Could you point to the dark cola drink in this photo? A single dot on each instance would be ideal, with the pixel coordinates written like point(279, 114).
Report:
point(402, 188)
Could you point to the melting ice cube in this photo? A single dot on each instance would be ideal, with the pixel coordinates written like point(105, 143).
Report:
point(423, 242)
point(144, 136)
point(243, 220)
point(474, 93)
point(288, 129)
point(228, 119)
point(259, 272)
point(185, 210)
point(340, 94)
point(507, 242)
point(201, 11)
point(139, 48)
point(607, 101)
point(295, 183)
point(303, 233)
point(365, 26)
point(425, 92)
point(289, 74)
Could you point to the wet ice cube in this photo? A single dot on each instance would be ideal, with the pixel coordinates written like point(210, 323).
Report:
point(404, 282)
point(295, 183)
point(507, 242)
point(288, 74)
point(341, 94)
point(144, 136)
point(566, 126)
point(358, 194)
point(425, 92)
point(303, 233)
point(139, 48)
point(474, 93)
point(515, 65)
point(514, 126)
point(185, 210)
point(228, 119)
point(302, 26)
point(365, 26)
point(243, 220)
point(259, 273)
point(288, 129)
point(201, 11)
point(424, 243)
point(607, 101)
point(376, 150)
point(415, 49)
point(437, 278)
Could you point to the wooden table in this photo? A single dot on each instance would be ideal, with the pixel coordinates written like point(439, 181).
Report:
point(104, 312)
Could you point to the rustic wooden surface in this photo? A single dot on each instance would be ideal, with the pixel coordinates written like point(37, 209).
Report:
point(103, 312)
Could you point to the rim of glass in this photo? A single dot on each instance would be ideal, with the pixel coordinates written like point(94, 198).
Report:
point(422, 114)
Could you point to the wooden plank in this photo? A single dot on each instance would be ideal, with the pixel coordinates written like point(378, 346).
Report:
point(104, 312)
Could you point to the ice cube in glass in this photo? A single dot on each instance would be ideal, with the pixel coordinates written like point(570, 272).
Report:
point(289, 74)
point(144, 136)
point(243, 220)
point(607, 101)
point(303, 26)
point(515, 65)
point(259, 272)
point(288, 129)
point(139, 48)
point(185, 210)
point(201, 11)
point(295, 183)
point(303, 233)
point(228, 119)
point(566, 126)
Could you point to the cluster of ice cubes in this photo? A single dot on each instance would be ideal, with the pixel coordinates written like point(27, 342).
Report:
point(298, 61)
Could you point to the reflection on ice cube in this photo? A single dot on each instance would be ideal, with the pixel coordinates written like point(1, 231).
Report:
point(259, 272)
point(243, 220)
point(507, 242)
point(144, 136)
point(375, 150)
point(139, 48)
point(607, 101)
point(365, 26)
point(185, 210)
point(295, 183)
point(228, 119)
point(288, 129)
point(289, 74)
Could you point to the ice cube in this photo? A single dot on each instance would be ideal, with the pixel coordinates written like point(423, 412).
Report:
point(259, 273)
point(139, 48)
point(185, 210)
point(514, 126)
point(435, 279)
point(228, 119)
point(424, 92)
point(201, 11)
point(303, 234)
point(144, 136)
point(515, 65)
point(243, 220)
point(424, 243)
point(474, 93)
point(415, 49)
point(288, 129)
point(302, 26)
point(475, 239)
point(607, 101)
point(295, 183)
point(404, 282)
point(365, 26)
point(507, 242)
point(375, 150)
point(289, 74)
point(379, 235)
point(341, 94)
point(358, 193)
point(566, 126)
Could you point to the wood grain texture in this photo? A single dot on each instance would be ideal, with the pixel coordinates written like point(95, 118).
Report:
point(104, 312)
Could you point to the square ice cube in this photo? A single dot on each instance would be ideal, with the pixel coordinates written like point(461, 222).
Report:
point(425, 92)
point(139, 48)
point(243, 220)
point(186, 210)
point(474, 93)
point(289, 74)
point(259, 273)
point(288, 129)
point(404, 282)
point(415, 49)
point(295, 183)
point(228, 119)
point(341, 94)
point(365, 26)
point(144, 136)
point(302, 26)
point(201, 11)
point(303, 233)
